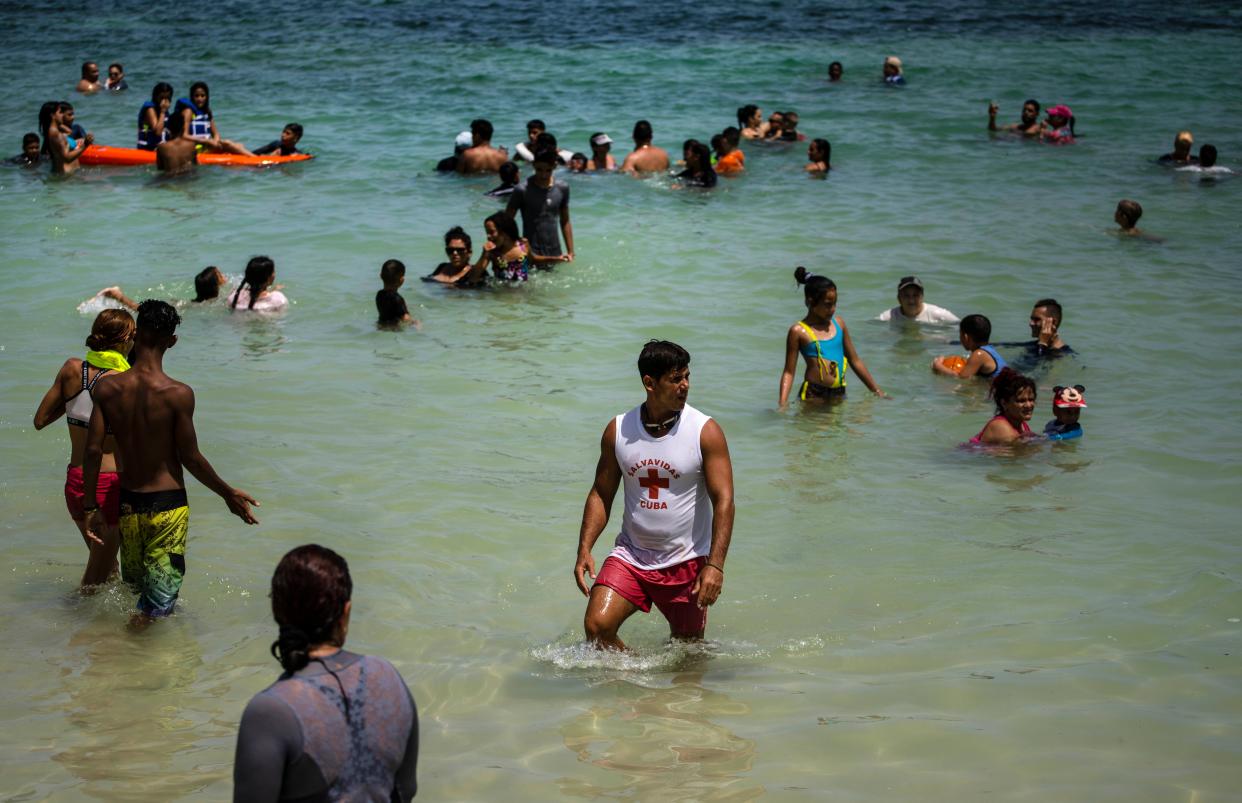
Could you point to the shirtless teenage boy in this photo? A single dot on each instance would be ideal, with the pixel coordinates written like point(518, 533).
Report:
point(151, 416)
point(481, 157)
point(645, 158)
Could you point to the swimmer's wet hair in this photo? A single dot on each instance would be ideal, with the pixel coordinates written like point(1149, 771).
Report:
point(547, 155)
point(310, 587)
point(457, 233)
point(296, 128)
point(205, 285)
point(732, 134)
point(642, 131)
point(258, 270)
point(1006, 387)
point(1053, 307)
point(744, 113)
point(505, 225)
point(1131, 210)
point(825, 150)
point(658, 357)
point(815, 286)
point(1032, 102)
point(111, 328)
point(546, 140)
point(482, 129)
point(718, 141)
point(1207, 155)
point(536, 123)
point(508, 172)
point(392, 270)
point(978, 327)
point(29, 138)
point(158, 317)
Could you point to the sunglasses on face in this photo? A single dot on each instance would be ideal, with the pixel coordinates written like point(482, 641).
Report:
point(451, 251)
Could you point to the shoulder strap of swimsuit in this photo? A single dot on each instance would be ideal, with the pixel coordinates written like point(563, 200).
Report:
point(91, 386)
point(85, 375)
point(819, 350)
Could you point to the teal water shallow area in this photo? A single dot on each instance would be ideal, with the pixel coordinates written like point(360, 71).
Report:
point(901, 620)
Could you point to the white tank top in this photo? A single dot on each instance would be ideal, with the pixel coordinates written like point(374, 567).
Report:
point(668, 516)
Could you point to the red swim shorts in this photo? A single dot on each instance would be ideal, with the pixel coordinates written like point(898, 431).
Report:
point(668, 588)
point(107, 495)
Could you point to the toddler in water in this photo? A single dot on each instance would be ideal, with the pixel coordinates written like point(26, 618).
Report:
point(1066, 403)
point(1014, 395)
point(388, 302)
point(975, 331)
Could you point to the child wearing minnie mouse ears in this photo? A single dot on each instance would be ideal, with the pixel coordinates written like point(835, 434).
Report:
point(1066, 403)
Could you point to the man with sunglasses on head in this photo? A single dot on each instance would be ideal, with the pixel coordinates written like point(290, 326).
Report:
point(457, 247)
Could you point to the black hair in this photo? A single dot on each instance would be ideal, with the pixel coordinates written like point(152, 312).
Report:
point(258, 270)
point(732, 134)
point(825, 150)
point(160, 89)
point(1032, 102)
point(64, 106)
point(814, 285)
point(176, 120)
point(535, 124)
point(546, 154)
point(836, 64)
point(642, 131)
point(118, 65)
point(1132, 210)
point(1006, 387)
point(296, 128)
point(206, 107)
point(482, 129)
point(310, 587)
point(717, 141)
point(158, 317)
point(581, 157)
point(978, 327)
point(1207, 156)
point(29, 138)
point(45, 120)
point(206, 287)
point(508, 172)
point(658, 357)
point(1053, 307)
point(545, 140)
point(457, 233)
point(704, 156)
point(86, 64)
point(744, 113)
point(505, 225)
point(392, 270)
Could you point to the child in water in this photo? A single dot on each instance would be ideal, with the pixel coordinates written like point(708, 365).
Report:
point(984, 362)
point(388, 302)
point(1066, 404)
point(1014, 395)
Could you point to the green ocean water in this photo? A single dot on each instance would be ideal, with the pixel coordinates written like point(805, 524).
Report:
point(901, 619)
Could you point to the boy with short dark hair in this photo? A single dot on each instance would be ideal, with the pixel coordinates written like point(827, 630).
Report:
point(984, 362)
point(388, 302)
point(29, 157)
point(287, 145)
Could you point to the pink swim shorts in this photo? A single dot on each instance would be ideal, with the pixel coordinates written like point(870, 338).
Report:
point(668, 589)
point(107, 495)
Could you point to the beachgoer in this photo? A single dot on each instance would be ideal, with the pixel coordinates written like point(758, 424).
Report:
point(1180, 154)
point(388, 302)
point(699, 172)
point(894, 73)
point(116, 78)
point(544, 204)
point(335, 725)
point(62, 149)
point(1207, 168)
point(1067, 406)
point(645, 158)
point(481, 157)
point(601, 159)
point(819, 156)
point(671, 549)
point(458, 270)
point(526, 150)
point(729, 157)
point(1127, 217)
point(509, 178)
point(153, 117)
point(255, 291)
point(67, 124)
point(505, 251)
point(287, 145)
point(29, 157)
point(152, 418)
point(112, 336)
point(207, 284)
point(823, 339)
point(89, 82)
point(750, 122)
point(1058, 126)
point(1014, 395)
point(449, 164)
point(775, 126)
point(578, 163)
point(1028, 126)
point(198, 122)
point(835, 71)
point(1045, 325)
point(975, 332)
point(912, 309)
point(789, 128)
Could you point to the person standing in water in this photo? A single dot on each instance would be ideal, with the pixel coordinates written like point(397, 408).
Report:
point(1028, 126)
point(61, 148)
point(645, 158)
point(152, 419)
point(822, 338)
point(671, 549)
point(112, 336)
point(544, 204)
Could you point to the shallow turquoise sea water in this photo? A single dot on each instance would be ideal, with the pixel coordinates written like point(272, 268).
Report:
point(901, 619)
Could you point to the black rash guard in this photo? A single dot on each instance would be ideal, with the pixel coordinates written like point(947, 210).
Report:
point(296, 742)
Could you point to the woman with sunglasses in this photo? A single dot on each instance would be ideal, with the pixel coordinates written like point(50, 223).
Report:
point(457, 247)
point(116, 78)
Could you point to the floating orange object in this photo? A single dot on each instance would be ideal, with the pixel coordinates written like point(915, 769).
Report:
point(955, 362)
point(129, 157)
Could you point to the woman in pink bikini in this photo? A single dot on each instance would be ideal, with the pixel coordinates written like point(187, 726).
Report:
point(1014, 395)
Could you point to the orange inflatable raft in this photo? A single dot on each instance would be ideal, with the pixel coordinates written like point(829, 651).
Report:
point(129, 157)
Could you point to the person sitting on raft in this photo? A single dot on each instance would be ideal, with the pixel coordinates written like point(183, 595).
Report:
point(255, 291)
point(819, 157)
point(984, 362)
point(287, 145)
point(1028, 126)
point(60, 147)
point(153, 117)
point(207, 284)
point(1014, 396)
point(824, 341)
point(1067, 405)
point(1058, 126)
point(199, 122)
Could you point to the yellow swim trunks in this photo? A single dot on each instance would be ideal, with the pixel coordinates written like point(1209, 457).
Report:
point(154, 526)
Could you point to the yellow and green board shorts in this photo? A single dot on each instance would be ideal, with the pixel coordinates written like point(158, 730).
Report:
point(154, 526)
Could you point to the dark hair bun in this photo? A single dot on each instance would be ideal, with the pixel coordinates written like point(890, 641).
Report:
point(800, 275)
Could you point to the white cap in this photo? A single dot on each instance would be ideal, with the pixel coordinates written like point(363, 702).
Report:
point(601, 139)
point(464, 140)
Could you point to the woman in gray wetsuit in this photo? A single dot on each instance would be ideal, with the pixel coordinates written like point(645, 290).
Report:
point(336, 725)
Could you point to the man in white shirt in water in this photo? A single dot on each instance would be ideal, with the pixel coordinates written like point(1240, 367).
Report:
point(910, 306)
point(672, 546)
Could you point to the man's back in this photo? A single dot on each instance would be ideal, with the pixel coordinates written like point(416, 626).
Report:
point(648, 159)
point(481, 159)
point(143, 408)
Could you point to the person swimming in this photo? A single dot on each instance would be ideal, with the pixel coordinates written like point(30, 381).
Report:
point(1014, 396)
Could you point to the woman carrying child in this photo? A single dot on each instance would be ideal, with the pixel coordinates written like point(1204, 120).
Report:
point(824, 341)
point(1014, 395)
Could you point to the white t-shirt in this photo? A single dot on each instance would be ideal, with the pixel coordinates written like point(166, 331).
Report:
point(273, 301)
point(930, 314)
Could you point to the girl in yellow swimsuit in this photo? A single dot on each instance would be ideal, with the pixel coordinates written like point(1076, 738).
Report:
point(823, 339)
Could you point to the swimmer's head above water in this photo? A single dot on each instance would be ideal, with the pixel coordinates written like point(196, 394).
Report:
point(207, 284)
point(1128, 214)
point(835, 71)
point(260, 273)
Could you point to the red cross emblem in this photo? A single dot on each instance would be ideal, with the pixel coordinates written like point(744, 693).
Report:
point(653, 482)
